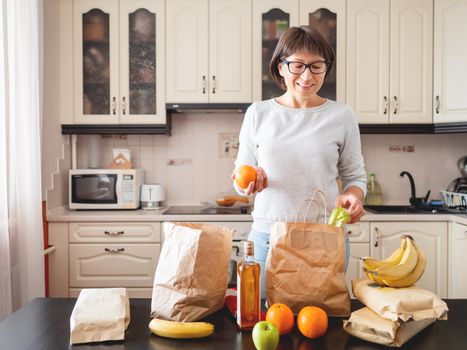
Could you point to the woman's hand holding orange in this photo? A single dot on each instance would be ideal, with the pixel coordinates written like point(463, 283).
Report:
point(250, 179)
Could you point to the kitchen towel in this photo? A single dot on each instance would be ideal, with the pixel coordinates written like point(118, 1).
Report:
point(100, 314)
point(192, 273)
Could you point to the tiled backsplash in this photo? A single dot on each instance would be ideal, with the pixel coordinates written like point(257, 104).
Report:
point(195, 163)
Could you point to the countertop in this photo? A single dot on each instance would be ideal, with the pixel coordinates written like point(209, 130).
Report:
point(63, 214)
point(43, 324)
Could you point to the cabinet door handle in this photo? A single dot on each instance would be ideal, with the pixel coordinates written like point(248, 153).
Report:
point(396, 104)
point(437, 104)
point(385, 104)
point(237, 250)
point(114, 250)
point(349, 232)
point(204, 84)
point(114, 105)
point(124, 105)
point(213, 84)
point(114, 233)
point(376, 237)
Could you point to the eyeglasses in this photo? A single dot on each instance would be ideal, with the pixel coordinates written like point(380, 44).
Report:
point(298, 68)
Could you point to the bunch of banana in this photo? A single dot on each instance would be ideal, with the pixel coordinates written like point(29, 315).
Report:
point(402, 268)
point(179, 330)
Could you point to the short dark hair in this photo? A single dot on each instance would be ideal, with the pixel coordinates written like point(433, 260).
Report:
point(296, 39)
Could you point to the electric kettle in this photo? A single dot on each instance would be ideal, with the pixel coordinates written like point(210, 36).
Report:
point(152, 196)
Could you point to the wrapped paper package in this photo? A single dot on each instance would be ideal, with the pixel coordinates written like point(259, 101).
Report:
point(192, 273)
point(100, 315)
point(366, 324)
point(400, 303)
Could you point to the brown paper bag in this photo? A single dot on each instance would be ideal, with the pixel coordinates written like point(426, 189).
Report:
point(368, 325)
point(192, 273)
point(100, 314)
point(306, 265)
point(400, 303)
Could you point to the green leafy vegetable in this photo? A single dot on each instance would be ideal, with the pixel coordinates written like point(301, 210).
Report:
point(338, 217)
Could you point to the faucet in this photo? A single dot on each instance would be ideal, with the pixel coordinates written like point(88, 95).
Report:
point(414, 200)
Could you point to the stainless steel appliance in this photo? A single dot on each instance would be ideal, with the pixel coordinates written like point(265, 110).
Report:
point(105, 188)
point(241, 229)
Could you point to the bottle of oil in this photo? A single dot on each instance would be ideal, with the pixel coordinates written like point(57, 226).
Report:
point(374, 195)
point(248, 286)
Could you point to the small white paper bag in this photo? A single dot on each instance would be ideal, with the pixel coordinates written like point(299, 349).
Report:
point(100, 314)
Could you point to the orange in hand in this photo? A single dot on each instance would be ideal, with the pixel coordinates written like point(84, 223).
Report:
point(312, 322)
point(282, 317)
point(245, 174)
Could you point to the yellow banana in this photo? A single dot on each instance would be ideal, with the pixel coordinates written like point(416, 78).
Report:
point(372, 264)
point(412, 277)
point(405, 266)
point(178, 330)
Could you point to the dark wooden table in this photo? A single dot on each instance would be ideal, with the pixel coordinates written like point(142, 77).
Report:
point(44, 324)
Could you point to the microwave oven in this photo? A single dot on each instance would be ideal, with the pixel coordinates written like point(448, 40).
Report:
point(105, 188)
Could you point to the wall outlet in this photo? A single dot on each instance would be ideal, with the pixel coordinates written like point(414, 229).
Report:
point(115, 136)
point(179, 162)
point(402, 148)
point(228, 145)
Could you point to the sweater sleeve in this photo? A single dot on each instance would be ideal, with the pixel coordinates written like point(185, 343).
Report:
point(247, 146)
point(350, 165)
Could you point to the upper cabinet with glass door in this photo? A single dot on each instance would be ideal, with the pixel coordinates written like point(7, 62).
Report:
point(450, 58)
point(270, 20)
point(118, 62)
point(328, 17)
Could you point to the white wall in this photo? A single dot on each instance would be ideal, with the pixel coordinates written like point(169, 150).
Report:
point(52, 140)
point(198, 173)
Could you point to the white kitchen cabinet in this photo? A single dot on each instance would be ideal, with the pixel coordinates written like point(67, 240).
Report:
point(329, 18)
point(208, 51)
point(117, 67)
point(359, 236)
point(271, 18)
point(358, 232)
point(101, 255)
point(432, 237)
point(389, 60)
point(450, 57)
point(354, 268)
point(457, 283)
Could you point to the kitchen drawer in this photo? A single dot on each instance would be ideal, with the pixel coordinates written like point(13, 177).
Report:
point(241, 228)
point(113, 265)
point(358, 232)
point(100, 232)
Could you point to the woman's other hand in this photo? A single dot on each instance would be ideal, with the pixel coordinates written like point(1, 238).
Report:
point(257, 186)
point(352, 201)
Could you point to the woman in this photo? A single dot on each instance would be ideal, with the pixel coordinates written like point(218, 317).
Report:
point(300, 141)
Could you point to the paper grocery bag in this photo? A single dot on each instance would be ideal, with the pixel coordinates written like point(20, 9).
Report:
point(367, 325)
point(192, 273)
point(100, 314)
point(306, 265)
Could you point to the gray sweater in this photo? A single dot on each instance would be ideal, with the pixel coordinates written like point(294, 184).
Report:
point(300, 150)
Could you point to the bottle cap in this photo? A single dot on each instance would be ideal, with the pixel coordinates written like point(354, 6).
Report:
point(249, 248)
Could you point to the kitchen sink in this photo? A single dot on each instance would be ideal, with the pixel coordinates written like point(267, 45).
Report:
point(398, 209)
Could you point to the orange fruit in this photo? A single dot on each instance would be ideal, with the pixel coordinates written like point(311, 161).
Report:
point(245, 174)
point(312, 322)
point(282, 317)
